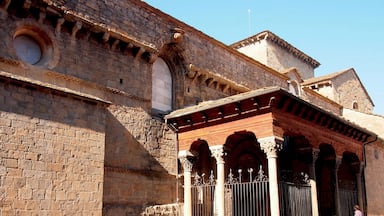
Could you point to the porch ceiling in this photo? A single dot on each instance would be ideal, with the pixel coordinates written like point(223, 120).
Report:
point(257, 102)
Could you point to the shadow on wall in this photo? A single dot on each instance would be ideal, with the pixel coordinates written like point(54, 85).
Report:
point(39, 103)
point(136, 157)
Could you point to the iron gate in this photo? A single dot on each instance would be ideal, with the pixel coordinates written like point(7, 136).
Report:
point(242, 198)
point(295, 195)
point(348, 198)
point(295, 199)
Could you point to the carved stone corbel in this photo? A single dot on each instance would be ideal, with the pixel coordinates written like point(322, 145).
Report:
point(42, 16)
point(59, 23)
point(76, 28)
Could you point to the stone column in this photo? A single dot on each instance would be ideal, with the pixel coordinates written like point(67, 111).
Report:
point(271, 146)
point(312, 182)
point(337, 193)
point(184, 157)
point(360, 191)
point(218, 153)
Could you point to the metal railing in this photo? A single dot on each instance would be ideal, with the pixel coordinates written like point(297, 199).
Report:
point(295, 199)
point(242, 198)
point(348, 198)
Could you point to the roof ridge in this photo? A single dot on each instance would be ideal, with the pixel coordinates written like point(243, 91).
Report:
point(268, 35)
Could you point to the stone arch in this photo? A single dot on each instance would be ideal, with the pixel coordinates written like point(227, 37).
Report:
point(294, 87)
point(203, 161)
point(347, 171)
point(295, 159)
point(348, 186)
point(173, 56)
point(243, 152)
point(162, 87)
point(326, 179)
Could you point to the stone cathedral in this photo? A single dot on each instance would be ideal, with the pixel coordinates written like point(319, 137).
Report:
point(116, 108)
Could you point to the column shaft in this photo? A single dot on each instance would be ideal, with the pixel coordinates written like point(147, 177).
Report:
point(273, 186)
point(312, 182)
point(271, 145)
point(187, 167)
point(218, 153)
point(360, 190)
point(337, 192)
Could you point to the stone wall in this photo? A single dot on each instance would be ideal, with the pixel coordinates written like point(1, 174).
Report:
point(277, 58)
point(281, 60)
point(321, 101)
point(52, 158)
point(349, 90)
point(374, 174)
point(195, 47)
point(141, 162)
point(141, 151)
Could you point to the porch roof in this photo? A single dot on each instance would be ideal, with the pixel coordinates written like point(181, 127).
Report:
point(257, 102)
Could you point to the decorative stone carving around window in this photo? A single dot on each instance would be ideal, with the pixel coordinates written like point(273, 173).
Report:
point(33, 46)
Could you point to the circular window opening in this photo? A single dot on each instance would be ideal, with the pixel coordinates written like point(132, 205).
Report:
point(27, 49)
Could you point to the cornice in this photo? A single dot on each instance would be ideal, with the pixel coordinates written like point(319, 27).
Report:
point(216, 81)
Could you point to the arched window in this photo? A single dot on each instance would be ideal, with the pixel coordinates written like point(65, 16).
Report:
point(161, 87)
point(294, 88)
point(355, 106)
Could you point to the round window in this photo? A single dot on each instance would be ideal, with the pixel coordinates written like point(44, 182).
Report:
point(27, 49)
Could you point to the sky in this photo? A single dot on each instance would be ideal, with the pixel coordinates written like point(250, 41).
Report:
point(340, 34)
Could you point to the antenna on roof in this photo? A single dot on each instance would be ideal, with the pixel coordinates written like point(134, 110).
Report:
point(249, 21)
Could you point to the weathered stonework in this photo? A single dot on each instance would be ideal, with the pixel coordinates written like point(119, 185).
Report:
point(374, 173)
point(52, 159)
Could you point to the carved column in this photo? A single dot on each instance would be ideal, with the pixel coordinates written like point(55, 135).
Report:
point(360, 192)
point(337, 193)
point(218, 153)
point(184, 157)
point(312, 182)
point(271, 146)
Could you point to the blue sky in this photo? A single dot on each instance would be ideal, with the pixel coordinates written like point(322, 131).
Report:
point(340, 34)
